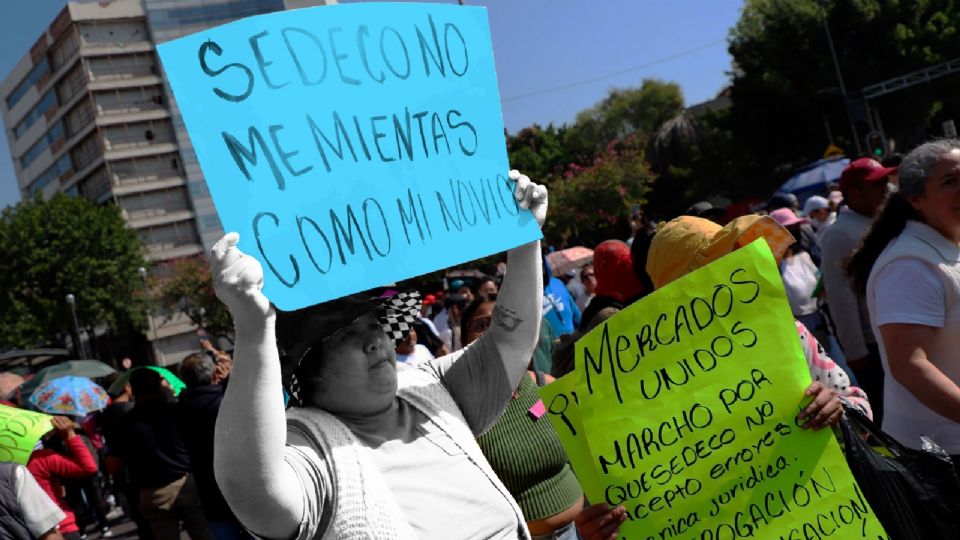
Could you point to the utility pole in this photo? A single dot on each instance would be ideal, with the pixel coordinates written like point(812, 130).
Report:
point(79, 349)
point(836, 68)
point(153, 340)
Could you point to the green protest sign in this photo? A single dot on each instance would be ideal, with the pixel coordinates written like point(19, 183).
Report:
point(687, 401)
point(563, 410)
point(19, 432)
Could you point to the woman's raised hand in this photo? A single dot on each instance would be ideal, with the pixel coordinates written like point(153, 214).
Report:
point(238, 282)
point(530, 195)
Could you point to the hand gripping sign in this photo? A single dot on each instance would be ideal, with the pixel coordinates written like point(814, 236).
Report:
point(682, 409)
point(351, 146)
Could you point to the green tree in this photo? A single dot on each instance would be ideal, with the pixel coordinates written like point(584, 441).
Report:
point(785, 89)
point(188, 289)
point(61, 246)
point(633, 112)
point(539, 152)
point(592, 204)
point(693, 158)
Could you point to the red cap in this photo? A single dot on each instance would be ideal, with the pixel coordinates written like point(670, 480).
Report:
point(864, 170)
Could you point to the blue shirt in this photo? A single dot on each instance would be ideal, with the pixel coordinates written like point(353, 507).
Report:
point(559, 309)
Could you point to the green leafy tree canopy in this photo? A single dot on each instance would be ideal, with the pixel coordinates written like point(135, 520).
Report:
point(66, 245)
point(592, 204)
point(785, 91)
point(188, 289)
point(633, 112)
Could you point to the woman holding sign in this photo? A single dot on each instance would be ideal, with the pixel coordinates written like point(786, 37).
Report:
point(688, 243)
point(369, 453)
point(909, 266)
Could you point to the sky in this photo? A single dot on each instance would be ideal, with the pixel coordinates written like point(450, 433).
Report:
point(554, 57)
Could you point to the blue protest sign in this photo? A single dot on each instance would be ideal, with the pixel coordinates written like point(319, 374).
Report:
point(351, 145)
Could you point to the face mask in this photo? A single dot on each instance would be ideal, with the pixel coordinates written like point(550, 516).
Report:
point(817, 223)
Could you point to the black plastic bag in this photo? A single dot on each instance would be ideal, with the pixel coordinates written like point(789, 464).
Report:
point(914, 493)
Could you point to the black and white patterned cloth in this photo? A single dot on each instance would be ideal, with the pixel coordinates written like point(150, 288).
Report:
point(398, 313)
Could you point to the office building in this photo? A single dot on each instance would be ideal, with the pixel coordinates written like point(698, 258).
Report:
point(87, 111)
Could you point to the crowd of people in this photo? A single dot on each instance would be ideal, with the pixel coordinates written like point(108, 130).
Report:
point(414, 414)
point(147, 456)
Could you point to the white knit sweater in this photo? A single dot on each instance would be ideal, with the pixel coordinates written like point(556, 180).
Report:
point(363, 506)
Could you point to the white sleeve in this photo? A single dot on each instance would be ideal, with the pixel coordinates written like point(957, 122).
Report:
point(909, 291)
point(836, 249)
point(313, 474)
point(39, 511)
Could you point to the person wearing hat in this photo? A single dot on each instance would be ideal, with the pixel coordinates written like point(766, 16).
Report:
point(817, 210)
point(804, 234)
point(706, 210)
point(365, 451)
point(689, 243)
point(909, 270)
point(864, 187)
point(800, 277)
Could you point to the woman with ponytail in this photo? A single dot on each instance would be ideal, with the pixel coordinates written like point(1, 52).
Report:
point(909, 268)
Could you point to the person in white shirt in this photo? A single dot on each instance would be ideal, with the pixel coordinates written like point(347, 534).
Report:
point(864, 187)
point(909, 266)
point(411, 354)
point(26, 511)
point(800, 277)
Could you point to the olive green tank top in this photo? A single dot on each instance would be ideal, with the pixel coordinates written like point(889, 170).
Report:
point(526, 454)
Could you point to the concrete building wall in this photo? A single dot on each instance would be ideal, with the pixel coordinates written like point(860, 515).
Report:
point(87, 111)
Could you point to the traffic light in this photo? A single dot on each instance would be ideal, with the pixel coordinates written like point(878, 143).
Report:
point(876, 145)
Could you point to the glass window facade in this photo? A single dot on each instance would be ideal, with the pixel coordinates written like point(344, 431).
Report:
point(38, 71)
point(47, 102)
point(211, 12)
point(53, 135)
point(53, 172)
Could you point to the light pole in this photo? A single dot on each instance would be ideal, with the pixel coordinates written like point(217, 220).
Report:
point(839, 74)
point(79, 348)
point(146, 298)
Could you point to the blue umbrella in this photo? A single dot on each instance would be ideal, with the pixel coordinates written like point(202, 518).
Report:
point(78, 368)
point(815, 176)
point(70, 395)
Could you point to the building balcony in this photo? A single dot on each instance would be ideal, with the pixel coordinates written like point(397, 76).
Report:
point(156, 216)
point(162, 252)
point(67, 183)
point(105, 48)
point(139, 151)
point(124, 82)
point(137, 185)
point(132, 114)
